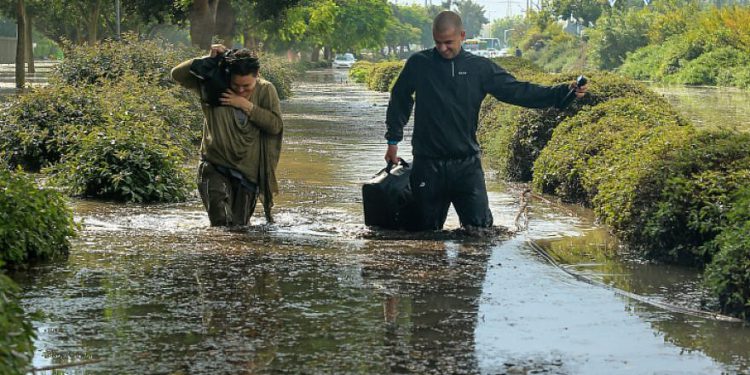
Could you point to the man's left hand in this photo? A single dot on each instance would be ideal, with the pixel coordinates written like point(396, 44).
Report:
point(231, 99)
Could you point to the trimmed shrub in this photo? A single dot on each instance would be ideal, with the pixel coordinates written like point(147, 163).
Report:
point(518, 66)
point(360, 71)
point(127, 164)
point(579, 143)
point(728, 276)
point(16, 332)
point(383, 75)
point(280, 72)
point(46, 124)
point(684, 206)
point(513, 137)
point(109, 60)
point(41, 126)
point(35, 223)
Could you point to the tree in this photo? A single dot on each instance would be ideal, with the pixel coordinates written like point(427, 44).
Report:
point(472, 15)
point(499, 26)
point(21, 44)
point(586, 10)
point(310, 25)
point(360, 24)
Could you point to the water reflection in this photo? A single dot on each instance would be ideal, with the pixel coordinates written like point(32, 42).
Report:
point(710, 107)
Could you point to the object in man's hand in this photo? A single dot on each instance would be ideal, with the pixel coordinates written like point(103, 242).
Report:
point(580, 82)
point(213, 74)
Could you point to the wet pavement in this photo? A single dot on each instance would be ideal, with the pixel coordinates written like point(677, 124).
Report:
point(155, 290)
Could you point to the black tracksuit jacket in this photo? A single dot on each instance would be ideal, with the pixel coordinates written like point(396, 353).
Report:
point(449, 94)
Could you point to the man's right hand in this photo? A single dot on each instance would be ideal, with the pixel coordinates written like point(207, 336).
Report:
point(217, 49)
point(391, 156)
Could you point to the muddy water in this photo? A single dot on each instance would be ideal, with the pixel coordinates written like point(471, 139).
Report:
point(155, 290)
point(710, 107)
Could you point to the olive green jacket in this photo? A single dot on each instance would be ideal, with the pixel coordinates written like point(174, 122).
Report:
point(252, 147)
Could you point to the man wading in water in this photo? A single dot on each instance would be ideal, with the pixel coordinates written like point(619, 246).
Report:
point(450, 85)
point(241, 141)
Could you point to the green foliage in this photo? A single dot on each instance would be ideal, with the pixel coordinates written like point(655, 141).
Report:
point(110, 60)
point(383, 75)
point(518, 66)
point(42, 125)
point(360, 71)
point(16, 332)
point(711, 68)
point(616, 34)
point(46, 124)
point(690, 213)
point(590, 141)
point(566, 55)
point(689, 197)
point(729, 275)
point(472, 15)
point(280, 72)
point(127, 164)
point(35, 223)
point(690, 46)
point(150, 125)
point(513, 137)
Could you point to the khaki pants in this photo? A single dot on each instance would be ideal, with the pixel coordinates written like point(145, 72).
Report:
point(227, 202)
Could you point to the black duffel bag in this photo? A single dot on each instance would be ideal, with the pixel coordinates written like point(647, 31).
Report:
point(213, 74)
point(386, 195)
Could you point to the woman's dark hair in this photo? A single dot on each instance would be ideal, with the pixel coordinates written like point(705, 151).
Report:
point(243, 62)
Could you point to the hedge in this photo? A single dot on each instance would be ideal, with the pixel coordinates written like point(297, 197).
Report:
point(35, 223)
point(670, 192)
point(16, 332)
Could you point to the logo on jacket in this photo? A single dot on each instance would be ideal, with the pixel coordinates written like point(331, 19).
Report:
point(463, 73)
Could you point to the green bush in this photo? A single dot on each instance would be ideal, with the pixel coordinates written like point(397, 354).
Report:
point(578, 143)
point(729, 275)
point(513, 137)
point(688, 198)
point(518, 66)
point(383, 75)
point(616, 34)
point(711, 68)
point(128, 164)
point(109, 60)
point(280, 72)
point(360, 71)
point(41, 126)
point(16, 332)
point(35, 223)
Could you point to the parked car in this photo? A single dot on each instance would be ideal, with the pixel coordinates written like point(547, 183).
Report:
point(343, 61)
point(504, 52)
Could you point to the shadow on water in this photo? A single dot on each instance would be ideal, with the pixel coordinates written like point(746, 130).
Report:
point(154, 289)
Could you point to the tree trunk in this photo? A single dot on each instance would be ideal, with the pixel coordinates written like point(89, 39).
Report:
point(327, 53)
point(93, 23)
point(315, 54)
point(21, 44)
point(225, 22)
point(29, 45)
point(202, 22)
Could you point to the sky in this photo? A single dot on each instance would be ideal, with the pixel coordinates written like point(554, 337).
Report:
point(493, 8)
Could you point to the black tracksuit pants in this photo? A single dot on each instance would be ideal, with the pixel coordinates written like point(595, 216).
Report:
point(436, 183)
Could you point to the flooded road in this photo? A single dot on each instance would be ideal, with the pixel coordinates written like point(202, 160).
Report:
point(155, 290)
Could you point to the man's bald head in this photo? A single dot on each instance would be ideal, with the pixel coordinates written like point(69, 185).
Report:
point(447, 20)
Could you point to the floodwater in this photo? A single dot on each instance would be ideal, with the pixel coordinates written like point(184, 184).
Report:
point(710, 107)
point(155, 290)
